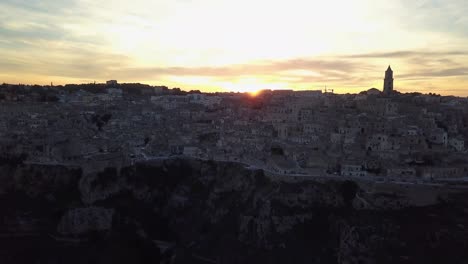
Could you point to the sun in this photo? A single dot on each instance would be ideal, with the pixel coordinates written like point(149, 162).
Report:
point(252, 86)
point(244, 86)
point(255, 93)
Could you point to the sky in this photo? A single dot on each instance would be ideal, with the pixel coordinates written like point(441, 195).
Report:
point(242, 45)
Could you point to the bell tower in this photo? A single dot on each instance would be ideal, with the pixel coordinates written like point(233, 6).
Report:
point(388, 81)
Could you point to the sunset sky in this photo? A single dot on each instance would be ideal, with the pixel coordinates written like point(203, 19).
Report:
point(241, 45)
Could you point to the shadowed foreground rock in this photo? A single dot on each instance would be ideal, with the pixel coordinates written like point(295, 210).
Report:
point(190, 211)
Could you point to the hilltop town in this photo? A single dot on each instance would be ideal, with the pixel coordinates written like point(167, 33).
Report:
point(374, 135)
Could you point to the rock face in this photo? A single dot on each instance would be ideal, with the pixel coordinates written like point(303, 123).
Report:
point(85, 220)
point(191, 211)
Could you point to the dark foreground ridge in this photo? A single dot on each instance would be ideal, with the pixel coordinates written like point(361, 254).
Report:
point(193, 211)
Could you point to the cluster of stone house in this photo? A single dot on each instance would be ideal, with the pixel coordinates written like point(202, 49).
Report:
point(309, 132)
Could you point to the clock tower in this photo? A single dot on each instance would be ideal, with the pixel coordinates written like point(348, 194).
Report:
point(388, 81)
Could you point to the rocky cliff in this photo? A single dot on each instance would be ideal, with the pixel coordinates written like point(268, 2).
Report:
point(192, 211)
